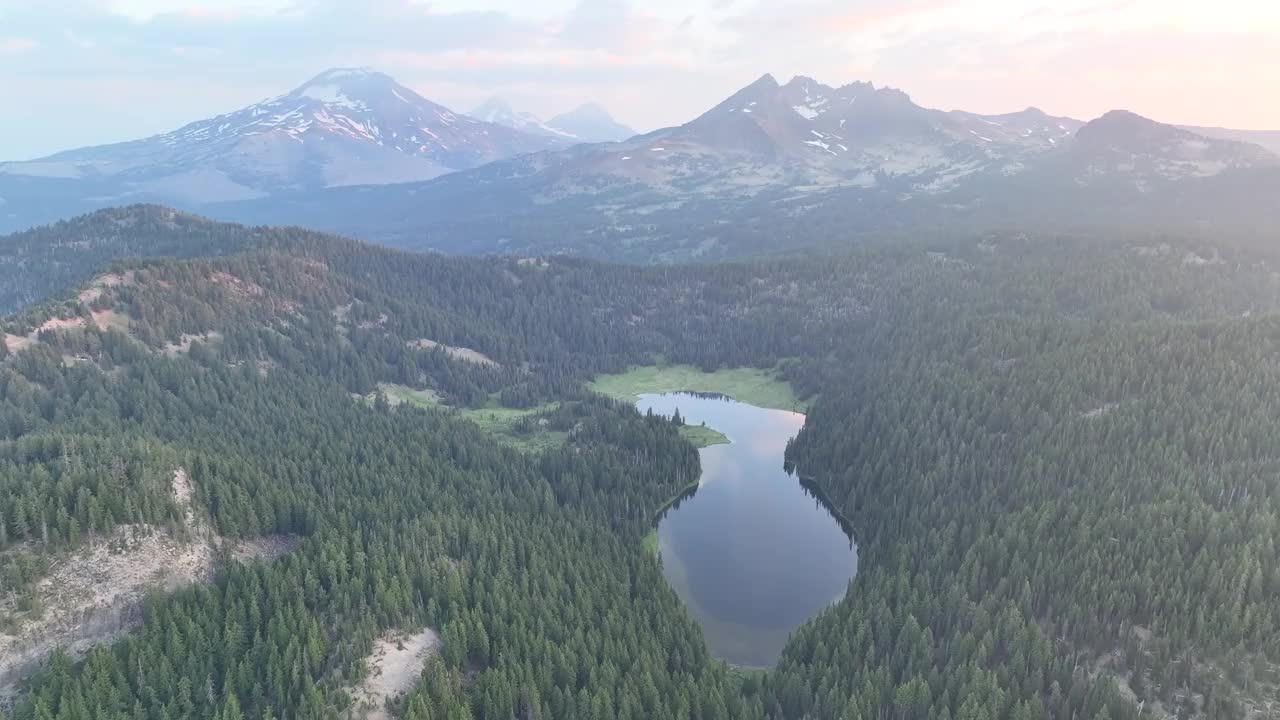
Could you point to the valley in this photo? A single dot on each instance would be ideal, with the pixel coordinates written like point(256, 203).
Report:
point(621, 360)
point(1008, 536)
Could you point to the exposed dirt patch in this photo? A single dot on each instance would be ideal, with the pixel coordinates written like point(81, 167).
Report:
point(371, 324)
point(236, 285)
point(101, 283)
point(95, 594)
point(20, 342)
point(108, 319)
point(461, 353)
point(184, 343)
point(60, 324)
point(17, 342)
point(393, 669)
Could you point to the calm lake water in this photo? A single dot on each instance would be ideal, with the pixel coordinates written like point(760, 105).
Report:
point(752, 553)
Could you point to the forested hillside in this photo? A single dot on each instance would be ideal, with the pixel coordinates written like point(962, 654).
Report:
point(52, 259)
point(1058, 455)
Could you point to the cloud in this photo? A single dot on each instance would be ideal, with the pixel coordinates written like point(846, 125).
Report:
point(17, 44)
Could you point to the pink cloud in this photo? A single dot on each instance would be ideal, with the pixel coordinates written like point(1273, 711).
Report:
point(204, 12)
point(857, 20)
point(17, 44)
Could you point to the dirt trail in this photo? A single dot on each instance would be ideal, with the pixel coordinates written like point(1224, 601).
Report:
point(394, 667)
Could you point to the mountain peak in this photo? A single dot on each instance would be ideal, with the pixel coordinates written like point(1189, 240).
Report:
point(802, 81)
point(591, 110)
point(1123, 127)
point(591, 122)
point(359, 73)
point(348, 79)
point(495, 109)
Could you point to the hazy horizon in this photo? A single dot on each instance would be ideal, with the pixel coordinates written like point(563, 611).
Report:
point(90, 75)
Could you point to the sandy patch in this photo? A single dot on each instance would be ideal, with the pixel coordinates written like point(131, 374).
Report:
point(460, 353)
point(393, 669)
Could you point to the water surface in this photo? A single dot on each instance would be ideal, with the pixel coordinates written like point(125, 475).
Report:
point(752, 552)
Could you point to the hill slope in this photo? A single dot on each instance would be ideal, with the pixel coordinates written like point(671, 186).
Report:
point(43, 262)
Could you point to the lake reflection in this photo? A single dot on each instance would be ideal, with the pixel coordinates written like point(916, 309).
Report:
point(752, 553)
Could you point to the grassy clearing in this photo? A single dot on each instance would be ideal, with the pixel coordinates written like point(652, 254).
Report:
point(762, 388)
point(495, 417)
point(492, 418)
point(502, 422)
point(397, 394)
point(650, 543)
point(702, 436)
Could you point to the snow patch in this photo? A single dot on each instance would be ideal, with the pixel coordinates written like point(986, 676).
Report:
point(805, 111)
point(332, 95)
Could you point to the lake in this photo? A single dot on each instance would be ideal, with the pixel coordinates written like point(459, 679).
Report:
point(751, 551)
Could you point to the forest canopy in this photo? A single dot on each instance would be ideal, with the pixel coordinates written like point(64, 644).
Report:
point(1057, 454)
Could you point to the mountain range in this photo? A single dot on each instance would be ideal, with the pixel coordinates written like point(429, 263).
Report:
point(589, 123)
point(342, 127)
point(779, 166)
point(773, 167)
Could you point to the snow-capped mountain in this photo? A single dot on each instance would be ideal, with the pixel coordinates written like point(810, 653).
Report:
point(818, 136)
point(496, 110)
point(343, 127)
point(588, 123)
point(591, 123)
point(775, 165)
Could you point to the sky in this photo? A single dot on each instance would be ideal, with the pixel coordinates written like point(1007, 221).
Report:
point(84, 72)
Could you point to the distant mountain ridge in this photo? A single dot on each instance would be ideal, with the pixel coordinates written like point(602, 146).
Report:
point(1269, 139)
point(349, 126)
point(778, 166)
point(771, 168)
point(589, 123)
